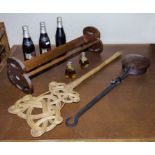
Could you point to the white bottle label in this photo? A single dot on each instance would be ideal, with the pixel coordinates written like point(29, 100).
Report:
point(47, 43)
point(44, 50)
point(28, 56)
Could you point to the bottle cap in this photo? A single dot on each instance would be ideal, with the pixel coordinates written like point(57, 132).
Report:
point(83, 54)
point(42, 27)
point(59, 22)
point(25, 28)
point(59, 19)
point(69, 63)
point(25, 31)
point(42, 24)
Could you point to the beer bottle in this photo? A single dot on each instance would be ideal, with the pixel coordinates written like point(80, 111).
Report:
point(44, 41)
point(28, 46)
point(60, 37)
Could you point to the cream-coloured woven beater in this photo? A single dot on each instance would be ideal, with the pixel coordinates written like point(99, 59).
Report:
point(51, 102)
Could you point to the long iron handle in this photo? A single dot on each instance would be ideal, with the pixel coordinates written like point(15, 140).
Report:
point(113, 84)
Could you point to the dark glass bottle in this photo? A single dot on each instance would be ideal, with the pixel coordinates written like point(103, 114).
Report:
point(28, 46)
point(60, 37)
point(44, 41)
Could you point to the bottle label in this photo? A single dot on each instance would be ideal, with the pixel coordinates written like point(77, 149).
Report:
point(44, 50)
point(28, 56)
point(47, 43)
point(83, 59)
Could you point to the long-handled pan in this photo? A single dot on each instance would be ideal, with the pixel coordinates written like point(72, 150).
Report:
point(132, 64)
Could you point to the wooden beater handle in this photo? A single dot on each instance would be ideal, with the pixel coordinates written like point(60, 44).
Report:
point(93, 71)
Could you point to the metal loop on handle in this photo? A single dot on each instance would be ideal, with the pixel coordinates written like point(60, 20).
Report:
point(71, 124)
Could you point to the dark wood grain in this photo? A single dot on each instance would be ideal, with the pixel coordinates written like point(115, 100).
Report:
point(2, 31)
point(4, 54)
point(125, 114)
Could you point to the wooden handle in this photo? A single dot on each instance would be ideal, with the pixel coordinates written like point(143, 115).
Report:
point(98, 68)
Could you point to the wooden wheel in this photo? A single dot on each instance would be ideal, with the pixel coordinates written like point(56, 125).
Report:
point(17, 76)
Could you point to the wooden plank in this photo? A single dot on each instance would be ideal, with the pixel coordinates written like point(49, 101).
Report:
point(5, 43)
point(2, 32)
